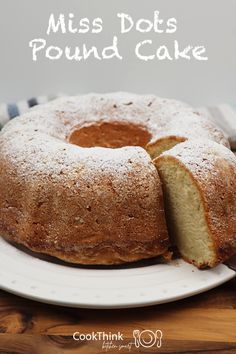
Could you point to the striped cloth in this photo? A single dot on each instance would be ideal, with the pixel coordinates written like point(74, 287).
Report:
point(9, 111)
point(223, 115)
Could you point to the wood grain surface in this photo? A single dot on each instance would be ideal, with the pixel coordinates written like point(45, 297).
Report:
point(204, 323)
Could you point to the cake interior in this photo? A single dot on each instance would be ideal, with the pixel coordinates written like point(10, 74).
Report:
point(162, 145)
point(185, 214)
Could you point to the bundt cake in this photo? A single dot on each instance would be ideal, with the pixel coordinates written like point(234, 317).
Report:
point(199, 183)
point(81, 205)
point(78, 183)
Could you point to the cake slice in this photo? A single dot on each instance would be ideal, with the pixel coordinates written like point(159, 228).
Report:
point(199, 183)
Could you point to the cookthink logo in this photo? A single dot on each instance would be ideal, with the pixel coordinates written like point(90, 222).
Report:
point(116, 341)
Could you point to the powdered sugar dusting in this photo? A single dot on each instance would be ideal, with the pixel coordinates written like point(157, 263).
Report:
point(201, 151)
point(39, 154)
point(160, 117)
point(37, 142)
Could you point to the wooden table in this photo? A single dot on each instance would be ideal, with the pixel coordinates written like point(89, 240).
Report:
point(204, 323)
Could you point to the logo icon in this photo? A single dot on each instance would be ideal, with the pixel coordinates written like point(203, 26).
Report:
point(147, 338)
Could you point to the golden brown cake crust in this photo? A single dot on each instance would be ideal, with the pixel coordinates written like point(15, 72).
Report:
point(82, 206)
point(85, 204)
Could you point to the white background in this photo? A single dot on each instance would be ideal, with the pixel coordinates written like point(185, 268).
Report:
point(203, 22)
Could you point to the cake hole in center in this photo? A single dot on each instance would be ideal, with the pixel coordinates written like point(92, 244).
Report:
point(110, 135)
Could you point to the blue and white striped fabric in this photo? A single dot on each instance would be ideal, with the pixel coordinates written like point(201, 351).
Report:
point(223, 115)
point(9, 111)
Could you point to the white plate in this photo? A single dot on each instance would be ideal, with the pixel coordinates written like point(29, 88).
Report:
point(144, 284)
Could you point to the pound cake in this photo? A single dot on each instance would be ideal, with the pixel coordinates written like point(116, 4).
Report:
point(79, 180)
point(199, 182)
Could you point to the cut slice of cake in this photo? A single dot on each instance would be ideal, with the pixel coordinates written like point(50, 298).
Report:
point(199, 183)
